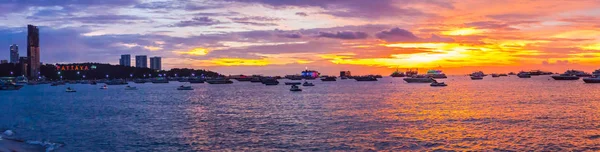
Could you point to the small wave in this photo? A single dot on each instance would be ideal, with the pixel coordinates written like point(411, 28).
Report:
point(49, 145)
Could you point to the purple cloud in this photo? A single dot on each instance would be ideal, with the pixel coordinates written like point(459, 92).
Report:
point(402, 35)
point(346, 35)
point(301, 14)
point(197, 21)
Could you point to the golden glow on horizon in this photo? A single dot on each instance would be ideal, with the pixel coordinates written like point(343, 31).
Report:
point(464, 31)
point(195, 52)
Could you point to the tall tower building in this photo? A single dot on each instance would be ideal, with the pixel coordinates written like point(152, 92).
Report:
point(155, 63)
point(141, 61)
point(125, 60)
point(33, 51)
point(14, 53)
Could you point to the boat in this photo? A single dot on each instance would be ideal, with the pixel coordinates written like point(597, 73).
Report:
point(130, 88)
point(255, 80)
point(185, 88)
point(436, 74)
point(568, 75)
point(524, 75)
point(196, 80)
point(70, 90)
point(159, 80)
point(219, 81)
point(397, 74)
point(57, 83)
point(104, 87)
point(139, 81)
point(503, 75)
point(293, 83)
point(117, 82)
point(270, 81)
point(592, 80)
point(511, 73)
point(477, 75)
point(295, 88)
point(494, 75)
point(343, 77)
point(293, 77)
point(438, 84)
point(4, 85)
point(307, 84)
point(365, 78)
point(419, 79)
point(539, 72)
point(328, 78)
point(578, 73)
point(411, 72)
point(183, 80)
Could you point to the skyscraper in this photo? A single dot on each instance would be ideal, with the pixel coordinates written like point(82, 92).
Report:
point(155, 63)
point(125, 60)
point(141, 61)
point(14, 53)
point(33, 51)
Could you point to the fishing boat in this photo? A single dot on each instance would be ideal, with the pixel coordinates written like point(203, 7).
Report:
point(365, 78)
point(328, 78)
point(438, 84)
point(307, 84)
point(436, 74)
point(185, 88)
point(295, 88)
point(269, 81)
point(219, 81)
point(592, 80)
point(419, 79)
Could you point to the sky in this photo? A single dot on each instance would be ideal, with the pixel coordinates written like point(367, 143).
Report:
point(278, 37)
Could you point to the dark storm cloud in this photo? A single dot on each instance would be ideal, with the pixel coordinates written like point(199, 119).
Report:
point(402, 35)
point(346, 35)
point(197, 21)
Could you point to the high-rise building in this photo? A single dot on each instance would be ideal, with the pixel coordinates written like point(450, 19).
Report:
point(125, 60)
point(33, 51)
point(3, 61)
point(155, 63)
point(23, 60)
point(141, 61)
point(14, 53)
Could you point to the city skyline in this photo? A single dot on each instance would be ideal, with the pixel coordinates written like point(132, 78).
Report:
point(328, 36)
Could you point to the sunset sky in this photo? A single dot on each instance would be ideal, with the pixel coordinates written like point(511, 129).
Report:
point(277, 37)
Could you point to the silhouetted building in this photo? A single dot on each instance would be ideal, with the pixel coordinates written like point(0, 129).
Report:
point(125, 60)
point(33, 51)
point(14, 53)
point(141, 61)
point(24, 62)
point(3, 61)
point(155, 63)
point(345, 74)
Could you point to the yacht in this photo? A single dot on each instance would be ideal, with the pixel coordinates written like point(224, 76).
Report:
point(578, 73)
point(523, 74)
point(436, 74)
point(219, 81)
point(568, 75)
point(185, 88)
point(596, 73)
point(70, 90)
point(502, 74)
point(477, 75)
point(255, 80)
point(295, 88)
point(419, 79)
point(365, 78)
point(494, 75)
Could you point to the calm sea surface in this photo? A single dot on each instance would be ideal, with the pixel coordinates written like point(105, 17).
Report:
point(505, 113)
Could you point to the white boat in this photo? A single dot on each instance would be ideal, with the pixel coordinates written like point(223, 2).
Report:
point(307, 84)
point(185, 88)
point(130, 88)
point(295, 88)
point(70, 90)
